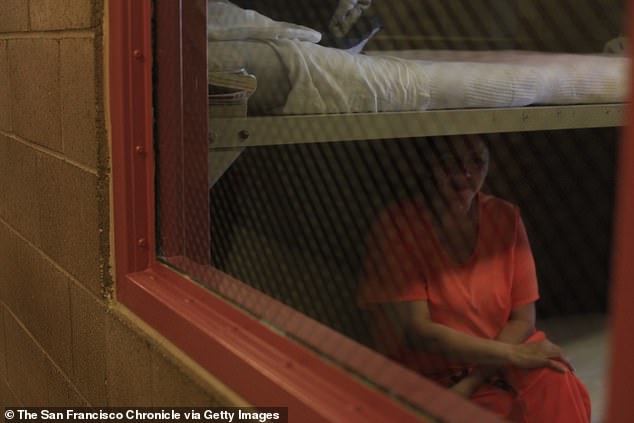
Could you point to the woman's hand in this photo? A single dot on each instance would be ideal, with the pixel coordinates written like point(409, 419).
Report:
point(466, 386)
point(538, 354)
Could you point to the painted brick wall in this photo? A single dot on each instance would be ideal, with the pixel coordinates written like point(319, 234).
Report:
point(62, 341)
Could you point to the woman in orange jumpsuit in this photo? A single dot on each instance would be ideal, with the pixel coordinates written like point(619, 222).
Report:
point(451, 283)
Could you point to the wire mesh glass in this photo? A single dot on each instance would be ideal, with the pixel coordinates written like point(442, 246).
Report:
point(293, 199)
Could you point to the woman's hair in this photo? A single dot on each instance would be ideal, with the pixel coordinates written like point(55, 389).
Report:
point(420, 155)
point(407, 167)
point(430, 149)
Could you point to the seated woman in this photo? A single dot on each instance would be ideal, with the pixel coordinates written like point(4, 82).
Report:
point(450, 281)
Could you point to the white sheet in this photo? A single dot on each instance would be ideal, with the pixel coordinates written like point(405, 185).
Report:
point(225, 21)
point(327, 80)
point(302, 78)
point(562, 78)
point(297, 76)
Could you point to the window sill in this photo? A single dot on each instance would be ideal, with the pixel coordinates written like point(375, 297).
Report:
point(270, 369)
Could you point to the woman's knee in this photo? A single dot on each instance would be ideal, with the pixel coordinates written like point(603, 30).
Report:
point(522, 379)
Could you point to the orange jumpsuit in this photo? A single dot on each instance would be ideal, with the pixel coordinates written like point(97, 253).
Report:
point(405, 261)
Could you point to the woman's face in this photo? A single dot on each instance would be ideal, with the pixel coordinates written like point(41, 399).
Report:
point(459, 171)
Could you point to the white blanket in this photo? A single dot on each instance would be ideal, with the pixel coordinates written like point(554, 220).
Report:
point(327, 80)
point(306, 78)
point(225, 21)
point(561, 78)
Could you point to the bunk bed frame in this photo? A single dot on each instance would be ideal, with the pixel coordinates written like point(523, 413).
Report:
point(277, 130)
point(231, 130)
point(228, 136)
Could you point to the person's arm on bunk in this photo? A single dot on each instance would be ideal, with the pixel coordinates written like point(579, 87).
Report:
point(459, 346)
point(520, 326)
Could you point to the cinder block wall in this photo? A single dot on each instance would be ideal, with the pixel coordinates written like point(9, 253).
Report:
point(62, 340)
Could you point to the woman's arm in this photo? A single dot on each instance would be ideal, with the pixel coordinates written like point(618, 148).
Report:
point(433, 337)
point(520, 326)
point(414, 319)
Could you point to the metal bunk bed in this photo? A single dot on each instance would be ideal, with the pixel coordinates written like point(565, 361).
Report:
point(228, 136)
point(231, 130)
point(276, 130)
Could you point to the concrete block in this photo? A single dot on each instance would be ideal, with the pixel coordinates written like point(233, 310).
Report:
point(129, 367)
point(181, 391)
point(79, 108)
point(47, 314)
point(37, 293)
point(60, 14)
point(35, 97)
point(7, 252)
point(7, 397)
point(14, 16)
point(3, 345)
point(68, 206)
point(88, 316)
point(5, 107)
point(23, 270)
point(26, 365)
point(18, 199)
point(61, 392)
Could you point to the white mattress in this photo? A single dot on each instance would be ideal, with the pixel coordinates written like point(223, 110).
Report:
point(297, 76)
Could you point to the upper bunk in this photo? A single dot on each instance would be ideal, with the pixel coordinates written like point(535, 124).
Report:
point(308, 93)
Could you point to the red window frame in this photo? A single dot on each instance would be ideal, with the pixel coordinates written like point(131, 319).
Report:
point(263, 367)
